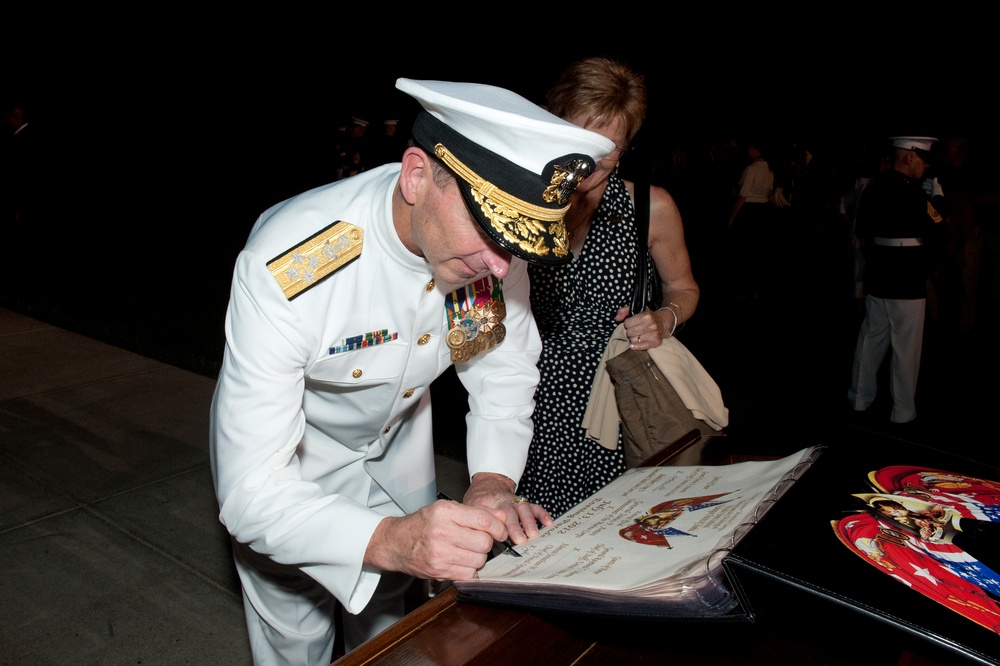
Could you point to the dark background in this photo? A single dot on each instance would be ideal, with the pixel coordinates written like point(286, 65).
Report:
point(168, 133)
point(191, 125)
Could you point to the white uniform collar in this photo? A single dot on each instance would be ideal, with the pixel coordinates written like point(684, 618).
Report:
point(384, 231)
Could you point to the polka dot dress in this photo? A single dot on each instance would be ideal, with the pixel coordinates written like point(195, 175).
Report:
point(575, 307)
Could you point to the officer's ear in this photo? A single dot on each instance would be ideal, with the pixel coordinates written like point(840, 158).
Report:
point(416, 169)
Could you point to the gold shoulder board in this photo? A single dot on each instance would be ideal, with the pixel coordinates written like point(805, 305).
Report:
point(316, 258)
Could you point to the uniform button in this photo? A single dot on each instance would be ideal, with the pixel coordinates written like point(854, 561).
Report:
point(424, 339)
point(430, 285)
point(356, 373)
point(408, 393)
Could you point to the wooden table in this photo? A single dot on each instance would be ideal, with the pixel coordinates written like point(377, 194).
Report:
point(447, 632)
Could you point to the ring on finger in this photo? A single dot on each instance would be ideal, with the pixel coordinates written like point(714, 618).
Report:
point(520, 499)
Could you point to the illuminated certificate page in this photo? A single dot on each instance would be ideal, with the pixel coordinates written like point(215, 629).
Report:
point(651, 532)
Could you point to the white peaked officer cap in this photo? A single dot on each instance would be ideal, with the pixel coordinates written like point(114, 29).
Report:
point(515, 162)
point(922, 145)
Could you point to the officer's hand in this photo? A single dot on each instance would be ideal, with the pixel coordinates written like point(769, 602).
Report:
point(442, 541)
point(521, 517)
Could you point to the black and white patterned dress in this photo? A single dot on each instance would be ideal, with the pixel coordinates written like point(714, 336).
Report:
point(575, 307)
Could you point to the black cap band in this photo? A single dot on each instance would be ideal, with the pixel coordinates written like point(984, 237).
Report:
point(520, 210)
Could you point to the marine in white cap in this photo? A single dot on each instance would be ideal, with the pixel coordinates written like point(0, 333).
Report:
point(922, 145)
point(896, 221)
point(347, 302)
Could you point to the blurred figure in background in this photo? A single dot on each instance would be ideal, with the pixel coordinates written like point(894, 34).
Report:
point(896, 222)
point(389, 145)
point(21, 170)
point(22, 199)
point(961, 262)
point(356, 147)
point(752, 225)
point(872, 163)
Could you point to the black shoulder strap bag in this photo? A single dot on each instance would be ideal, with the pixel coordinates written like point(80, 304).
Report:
point(648, 290)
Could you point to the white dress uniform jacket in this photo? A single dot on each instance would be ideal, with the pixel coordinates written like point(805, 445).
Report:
point(303, 439)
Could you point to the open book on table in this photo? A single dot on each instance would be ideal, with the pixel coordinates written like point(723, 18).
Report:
point(649, 544)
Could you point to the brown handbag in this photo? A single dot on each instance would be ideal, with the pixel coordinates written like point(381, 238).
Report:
point(652, 414)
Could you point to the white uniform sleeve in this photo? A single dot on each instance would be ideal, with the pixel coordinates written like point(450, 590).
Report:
point(257, 423)
point(501, 385)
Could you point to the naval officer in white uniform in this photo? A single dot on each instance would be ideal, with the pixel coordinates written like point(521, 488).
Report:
point(347, 302)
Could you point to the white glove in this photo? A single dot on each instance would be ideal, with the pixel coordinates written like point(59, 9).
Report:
point(932, 187)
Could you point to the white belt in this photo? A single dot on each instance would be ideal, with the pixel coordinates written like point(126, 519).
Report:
point(898, 242)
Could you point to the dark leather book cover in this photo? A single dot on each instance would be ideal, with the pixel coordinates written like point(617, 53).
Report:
point(605, 610)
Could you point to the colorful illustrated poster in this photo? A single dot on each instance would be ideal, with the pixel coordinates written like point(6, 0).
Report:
point(936, 532)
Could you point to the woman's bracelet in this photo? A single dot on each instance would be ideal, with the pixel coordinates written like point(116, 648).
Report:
point(674, 327)
point(680, 322)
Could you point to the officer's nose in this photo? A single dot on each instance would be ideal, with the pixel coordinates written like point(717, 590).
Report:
point(497, 260)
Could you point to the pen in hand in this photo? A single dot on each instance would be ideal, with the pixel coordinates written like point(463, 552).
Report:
point(508, 546)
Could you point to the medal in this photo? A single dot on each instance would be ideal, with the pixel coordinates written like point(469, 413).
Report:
point(456, 338)
point(475, 318)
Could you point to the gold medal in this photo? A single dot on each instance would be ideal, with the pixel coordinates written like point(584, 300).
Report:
point(499, 309)
point(456, 338)
point(460, 354)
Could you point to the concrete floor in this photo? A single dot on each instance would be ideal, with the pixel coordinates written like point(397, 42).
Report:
point(110, 544)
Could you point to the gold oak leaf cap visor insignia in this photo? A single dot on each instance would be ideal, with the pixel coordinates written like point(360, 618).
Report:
point(516, 163)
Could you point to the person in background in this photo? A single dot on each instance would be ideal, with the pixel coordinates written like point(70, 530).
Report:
point(340, 147)
point(26, 215)
point(752, 225)
point(22, 183)
point(578, 306)
point(959, 171)
point(356, 157)
point(895, 222)
point(871, 163)
point(347, 301)
point(389, 145)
